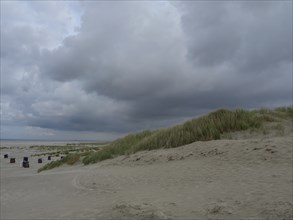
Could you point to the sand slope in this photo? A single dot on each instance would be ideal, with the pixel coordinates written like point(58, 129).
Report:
point(223, 179)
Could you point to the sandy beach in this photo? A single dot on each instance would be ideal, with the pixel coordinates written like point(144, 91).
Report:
point(248, 178)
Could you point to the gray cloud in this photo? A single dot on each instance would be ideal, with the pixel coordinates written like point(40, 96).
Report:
point(251, 36)
point(141, 65)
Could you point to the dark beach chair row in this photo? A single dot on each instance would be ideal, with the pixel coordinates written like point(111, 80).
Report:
point(25, 162)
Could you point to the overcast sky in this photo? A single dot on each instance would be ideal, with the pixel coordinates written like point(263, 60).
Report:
point(97, 70)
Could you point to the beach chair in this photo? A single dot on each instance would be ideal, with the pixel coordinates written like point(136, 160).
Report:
point(25, 158)
point(25, 164)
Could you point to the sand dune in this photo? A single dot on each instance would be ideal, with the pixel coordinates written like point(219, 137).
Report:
point(223, 179)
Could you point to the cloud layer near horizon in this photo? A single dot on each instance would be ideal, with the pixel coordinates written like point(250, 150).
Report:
point(115, 67)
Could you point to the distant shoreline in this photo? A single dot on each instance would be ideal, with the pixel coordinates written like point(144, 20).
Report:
point(27, 142)
point(48, 140)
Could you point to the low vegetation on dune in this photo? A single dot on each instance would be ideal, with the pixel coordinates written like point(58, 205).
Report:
point(64, 151)
point(117, 147)
point(70, 159)
point(287, 111)
point(208, 127)
point(68, 147)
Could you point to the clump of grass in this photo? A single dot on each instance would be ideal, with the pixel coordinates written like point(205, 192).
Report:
point(285, 110)
point(70, 159)
point(209, 127)
point(273, 115)
point(86, 153)
point(97, 156)
point(117, 147)
point(2, 148)
point(120, 146)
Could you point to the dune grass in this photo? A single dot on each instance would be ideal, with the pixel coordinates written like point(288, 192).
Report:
point(117, 147)
point(287, 111)
point(208, 127)
point(70, 159)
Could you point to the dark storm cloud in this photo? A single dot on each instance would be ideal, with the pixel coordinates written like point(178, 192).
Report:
point(140, 65)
